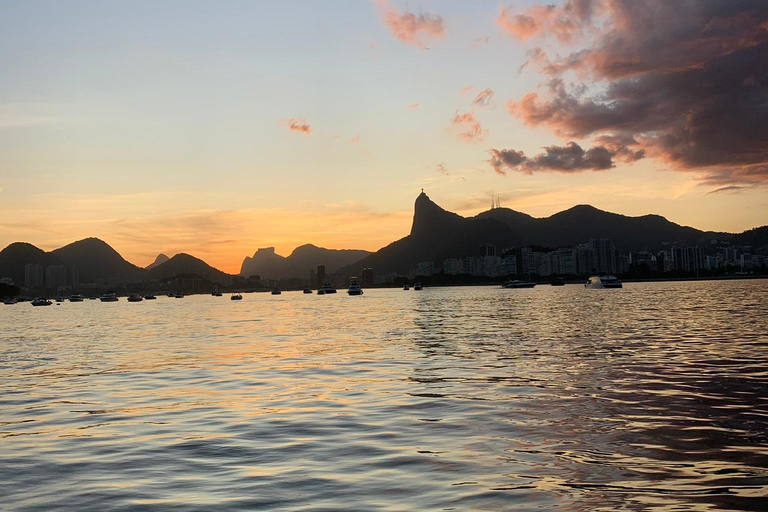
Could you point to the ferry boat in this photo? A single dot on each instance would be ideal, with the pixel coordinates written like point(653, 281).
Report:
point(606, 281)
point(327, 288)
point(236, 296)
point(76, 298)
point(135, 297)
point(516, 283)
point(41, 301)
point(354, 288)
point(109, 297)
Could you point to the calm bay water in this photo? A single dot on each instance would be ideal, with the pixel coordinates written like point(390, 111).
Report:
point(654, 397)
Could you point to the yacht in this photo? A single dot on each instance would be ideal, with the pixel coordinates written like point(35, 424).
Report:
point(135, 297)
point(558, 281)
point(417, 285)
point(307, 290)
point(327, 288)
point(354, 288)
point(516, 283)
point(109, 297)
point(76, 298)
point(276, 291)
point(41, 301)
point(149, 297)
point(606, 281)
point(236, 296)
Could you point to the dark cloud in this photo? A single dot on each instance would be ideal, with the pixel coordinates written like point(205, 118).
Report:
point(683, 81)
point(567, 159)
point(729, 188)
point(483, 98)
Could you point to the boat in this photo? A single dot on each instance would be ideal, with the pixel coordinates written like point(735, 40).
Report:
point(516, 283)
point(236, 296)
point(135, 297)
point(76, 298)
point(9, 301)
point(179, 295)
point(354, 288)
point(41, 301)
point(558, 281)
point(606, 281)
point(417, 285)
point(327, 288)
point(109, 297)
point(149, 297)
point(307, 290)
point(406, 287)
point(321, 292)
point(276, 291)
point(171, 295)
point(216, 293)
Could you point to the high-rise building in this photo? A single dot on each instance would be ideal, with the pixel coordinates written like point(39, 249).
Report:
point(687, 259)
point(487, 250)
point(55, 276)
point(33, 275)
point(320, 275)
point(585, 261)
point(605, 255)
point(453, 266)
point(425, 268)
point(367, 276)
point(75, 277)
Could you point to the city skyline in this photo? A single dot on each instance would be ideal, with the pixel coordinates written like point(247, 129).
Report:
point(218, 130)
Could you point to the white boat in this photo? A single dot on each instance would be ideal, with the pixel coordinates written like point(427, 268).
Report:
point(328, 288)
point(516, 283)
point(109, 297)
point(406, 287)
point(354, 288)
point(599, 282)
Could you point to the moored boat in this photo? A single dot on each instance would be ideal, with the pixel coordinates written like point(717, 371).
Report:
point(406, 287)
point(41, 301)
point(76, 298)
point(135, 297)
point(558, 281)
point(308, 290)
point(10, 301)
point(516, 283)
point(236, 296)
point(417, 285)
point(605, 281)
point(354, 288)
point(276, 291)
point(327, 288)
point(109, 297)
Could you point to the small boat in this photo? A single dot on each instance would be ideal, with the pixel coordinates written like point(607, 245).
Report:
point(216, 293)
point(321, 292)
point(236, 296)
point(354, 288)
point(9, 301)
point(179, 295)
point(515, 283)
point(327, 288)
point(406, 287)
point(307, 290)
point(558, 281)
point(135, 297)
point(599, 282)
point(417, 285)
point(149, 297)
point(171, 295)
point(109, 297)
point(276, 291)
point(41, 301)
point(59, 299)
point(76, 298)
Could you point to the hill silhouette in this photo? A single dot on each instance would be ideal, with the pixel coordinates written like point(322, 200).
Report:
point(270, 265)
point(97, 260)
point(186, 264)
point(16, 255)
point(161, 258)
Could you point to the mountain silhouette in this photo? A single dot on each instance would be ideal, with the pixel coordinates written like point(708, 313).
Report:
point(97, 260)
point(14, 257)
point(161, 258)
point(186, 264)
point(437, 234)
point(270, 265)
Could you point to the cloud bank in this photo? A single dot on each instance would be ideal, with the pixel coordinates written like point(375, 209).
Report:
point(411, 28)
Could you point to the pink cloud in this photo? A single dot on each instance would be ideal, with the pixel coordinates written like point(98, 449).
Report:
point(466, 89)
point(414, 105)
point(410, 28)
point(355, 139)
point(298, 125)
point(472, 131)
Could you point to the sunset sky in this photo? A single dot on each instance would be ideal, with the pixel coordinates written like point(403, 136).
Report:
point(215, 128)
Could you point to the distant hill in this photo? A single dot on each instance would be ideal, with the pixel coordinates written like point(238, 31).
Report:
point(161, 258)
point(185, 264)
point(580, 223)
point(96, 260)
point(269, 265)
point(14, 257)
point(757, 237)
